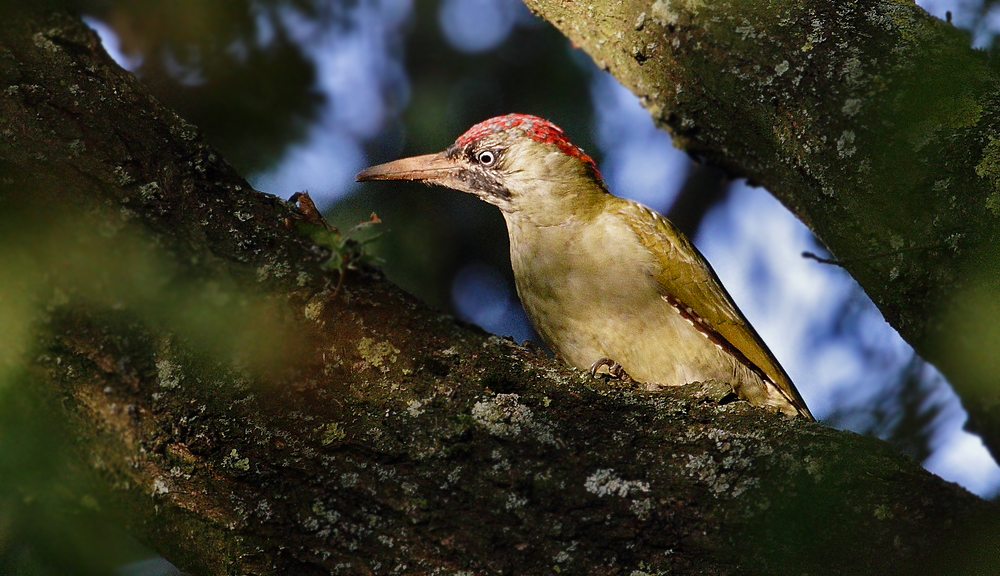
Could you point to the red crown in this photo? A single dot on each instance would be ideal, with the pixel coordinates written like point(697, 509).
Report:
point(538, 129)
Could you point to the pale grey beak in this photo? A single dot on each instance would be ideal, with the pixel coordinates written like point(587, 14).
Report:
point(436, 168)
point(441, 170)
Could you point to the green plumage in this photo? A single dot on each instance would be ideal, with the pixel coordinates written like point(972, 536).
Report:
point(601, 277)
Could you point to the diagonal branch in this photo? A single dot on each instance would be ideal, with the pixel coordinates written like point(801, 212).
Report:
point(383, 438)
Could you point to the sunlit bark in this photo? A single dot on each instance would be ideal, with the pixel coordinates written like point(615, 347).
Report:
point(384, 438)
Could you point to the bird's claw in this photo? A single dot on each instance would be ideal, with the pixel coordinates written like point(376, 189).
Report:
point(615, 369)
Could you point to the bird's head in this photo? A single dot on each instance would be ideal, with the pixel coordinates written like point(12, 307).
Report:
point(518, 162)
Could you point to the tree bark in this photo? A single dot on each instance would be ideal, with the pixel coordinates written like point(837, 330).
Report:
point(381, 437)
point(874, 122)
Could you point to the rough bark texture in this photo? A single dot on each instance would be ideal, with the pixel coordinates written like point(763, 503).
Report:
point(874, 122)
point(396, 440)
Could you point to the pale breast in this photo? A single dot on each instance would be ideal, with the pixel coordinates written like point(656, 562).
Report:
point(591, 294)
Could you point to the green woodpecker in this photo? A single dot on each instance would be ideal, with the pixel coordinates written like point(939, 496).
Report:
point(607, 282)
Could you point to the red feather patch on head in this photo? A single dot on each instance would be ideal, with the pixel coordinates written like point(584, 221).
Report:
point(538, 129)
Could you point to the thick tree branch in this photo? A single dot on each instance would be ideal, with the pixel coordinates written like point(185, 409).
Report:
point(385, 438)
point(874, 122)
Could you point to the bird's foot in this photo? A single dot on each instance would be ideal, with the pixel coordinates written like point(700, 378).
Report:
point(615, 369)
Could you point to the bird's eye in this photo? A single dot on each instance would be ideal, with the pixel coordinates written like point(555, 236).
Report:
point(486, 157)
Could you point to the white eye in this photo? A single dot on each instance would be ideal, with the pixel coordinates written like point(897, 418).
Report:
point(487, 157)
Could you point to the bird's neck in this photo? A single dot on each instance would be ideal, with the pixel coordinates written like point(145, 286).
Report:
point(561, 203)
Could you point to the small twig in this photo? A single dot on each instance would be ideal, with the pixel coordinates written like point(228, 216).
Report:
point(820, 259)
point(340, 282)
point(841, 263)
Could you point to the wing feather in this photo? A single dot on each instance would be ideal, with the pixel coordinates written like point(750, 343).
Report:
point(688, 280)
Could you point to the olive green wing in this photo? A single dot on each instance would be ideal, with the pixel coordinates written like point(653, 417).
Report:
point(689, 283)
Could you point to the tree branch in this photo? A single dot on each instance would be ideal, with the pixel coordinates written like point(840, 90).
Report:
point(871, 120)
point(383, 437)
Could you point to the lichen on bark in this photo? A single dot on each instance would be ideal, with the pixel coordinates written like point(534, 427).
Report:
point(382, 437)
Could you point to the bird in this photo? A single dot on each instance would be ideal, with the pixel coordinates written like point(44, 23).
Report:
point(608, 283)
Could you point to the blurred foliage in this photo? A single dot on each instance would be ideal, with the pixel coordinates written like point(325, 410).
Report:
point(899, 401)
point(904, 411)
point(60, 263)
point(41, 531)
point(973, 342)
point(704, 187)
point(230, 67)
